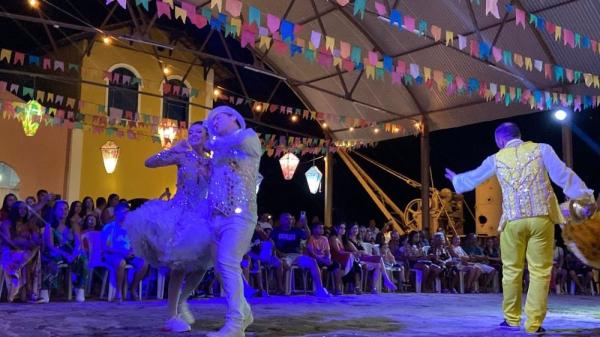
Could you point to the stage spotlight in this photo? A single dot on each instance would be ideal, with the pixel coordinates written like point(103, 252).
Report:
point(560, 115)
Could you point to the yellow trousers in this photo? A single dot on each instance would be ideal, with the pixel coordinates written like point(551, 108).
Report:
point(531, 239)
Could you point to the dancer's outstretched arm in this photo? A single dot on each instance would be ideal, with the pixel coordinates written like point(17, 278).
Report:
point(168, 157)
point(244, 140)
point(467, 181)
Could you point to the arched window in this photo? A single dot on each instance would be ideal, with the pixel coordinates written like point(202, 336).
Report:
point(9, 180)
point(123, 90)
point(175, 103)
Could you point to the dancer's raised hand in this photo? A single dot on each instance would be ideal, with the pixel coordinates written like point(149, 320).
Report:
point(450, 174)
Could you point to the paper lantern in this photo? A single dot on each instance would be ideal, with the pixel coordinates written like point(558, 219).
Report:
point(259, 180)
point(167, 134)
point(32, 117)
point(313, 177)
point(288, 163)
point(110, 156)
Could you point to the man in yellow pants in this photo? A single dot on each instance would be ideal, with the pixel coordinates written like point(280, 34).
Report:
point(529, 211)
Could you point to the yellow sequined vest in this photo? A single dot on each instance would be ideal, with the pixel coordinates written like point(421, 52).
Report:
point(526, 188)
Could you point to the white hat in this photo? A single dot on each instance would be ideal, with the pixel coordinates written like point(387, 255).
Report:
point(265, 225)
point(226, 110)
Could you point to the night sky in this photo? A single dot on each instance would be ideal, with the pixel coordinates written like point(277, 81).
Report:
point(460, 149)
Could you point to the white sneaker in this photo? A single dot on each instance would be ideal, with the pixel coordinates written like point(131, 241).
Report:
point(79, 295)
point(185, 313)
point(177, 324)
point(322, 293)
point(248, 320)
point(44, 296)
point(227, 331)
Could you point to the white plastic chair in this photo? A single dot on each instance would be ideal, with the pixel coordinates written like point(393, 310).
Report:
point(94, 249)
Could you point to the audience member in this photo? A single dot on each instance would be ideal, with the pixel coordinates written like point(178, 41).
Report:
point(118, 253)
point(318, 248)
point(87, 207)
point(7, 204)
point(108, 213)
point(464, 264)
point(74, 217)
point(346, 259)
point(558, 280)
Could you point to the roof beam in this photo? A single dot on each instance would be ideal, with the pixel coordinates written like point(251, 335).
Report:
point(92, 40)
point(235, 70)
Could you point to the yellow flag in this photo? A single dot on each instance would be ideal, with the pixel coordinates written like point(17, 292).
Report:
point(265, 42)
point(237, 22)
point(502, 90)
point(329, 43)
point(449, 38)
point(528, 64)
point(170, 2)
point(596, 82)
point(180, 13)
point(370, 71)
point(426, 73)
point(5, 54)
point(218, 3)
point(557, 33)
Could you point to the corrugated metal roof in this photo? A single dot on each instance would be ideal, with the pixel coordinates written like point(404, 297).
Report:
point(445, 111)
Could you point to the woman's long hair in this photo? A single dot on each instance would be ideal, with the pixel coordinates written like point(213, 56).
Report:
point(54, 222)
point(72, 212)
point(5, 209)
point(14, 215)
point(84, 210)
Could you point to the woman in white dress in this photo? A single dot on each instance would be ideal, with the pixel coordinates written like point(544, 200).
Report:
point(175, 233)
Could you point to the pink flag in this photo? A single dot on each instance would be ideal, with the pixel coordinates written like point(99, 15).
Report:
point(344, 49)
point(273, 22)
point(189, 8)
point(343, 2)
point(436, 32)
point(373, 57)
point(520, 17)
point(199, 20)
point(234, 7)
point(497, 52)
point(491, 6)
point(247, 38)
point(380, 7)
point(409, 23)
point(568, 38)
point(163, 8)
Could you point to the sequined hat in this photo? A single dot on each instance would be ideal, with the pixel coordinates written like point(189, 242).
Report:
point(226, 110)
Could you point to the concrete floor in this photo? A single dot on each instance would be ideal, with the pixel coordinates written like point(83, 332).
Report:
point(366, 315)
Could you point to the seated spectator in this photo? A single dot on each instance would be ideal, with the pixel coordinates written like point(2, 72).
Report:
point(578, 269)
point(389, 260)
point(372, 262)
point(287, 242)
point(74, 217)
point(62, 246)
point(100, 206)
point(118, 253)
point(263, 253)
point(385, 235)
point(416, 258)
point(442, 262)
point(372, 231)
point(87, 207)
point(30, 201)
point(558, 280)
point(472, 248)
point(351, 270)
point(20, 243)
point(7, 204)
point(318, 248)
point(492, 252)
point(108, 213)
point(423, 238)
point(395, 245)
point(464, 264)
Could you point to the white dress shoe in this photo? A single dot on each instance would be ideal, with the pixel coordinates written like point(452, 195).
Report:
point(177, 324)
point(79, 295)
point(227, 331)
point(185, 313)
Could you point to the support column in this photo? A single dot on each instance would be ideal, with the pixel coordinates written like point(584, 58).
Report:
point(567, 144)
point(425, 218)
point(328, 214)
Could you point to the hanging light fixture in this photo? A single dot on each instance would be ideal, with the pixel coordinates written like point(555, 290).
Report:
point(288, 163)
point(110, 156)
point(313, 178)
point(259, 180)
point(167, 133)
point(32, 117)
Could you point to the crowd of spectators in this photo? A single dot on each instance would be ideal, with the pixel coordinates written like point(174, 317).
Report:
point(44, 243)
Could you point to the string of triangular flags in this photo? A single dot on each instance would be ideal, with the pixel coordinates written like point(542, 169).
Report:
point(567, 36)
point(42, 62)
point(321, 117)
point(283, 34)
point(486, 51)
point(273, 145)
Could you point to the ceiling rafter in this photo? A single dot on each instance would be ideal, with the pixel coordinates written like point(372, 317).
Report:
point(92, 40)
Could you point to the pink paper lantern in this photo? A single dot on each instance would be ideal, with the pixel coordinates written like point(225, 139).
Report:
point(289, 163)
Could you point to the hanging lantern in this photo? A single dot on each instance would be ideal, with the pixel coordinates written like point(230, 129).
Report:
point(259, 180)
point(32, 117)
point(110, 156)
point(313, 177)
point(288, 163)
point(167, 134)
